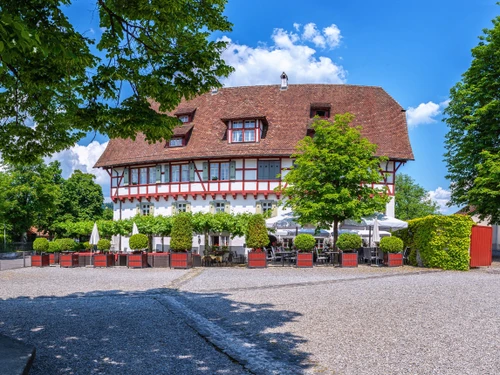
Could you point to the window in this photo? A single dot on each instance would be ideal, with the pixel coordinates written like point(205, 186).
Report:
point(175, 142)
point(143, 176)
point(267, 206)
point(184, 118)
point(268, 169)
point(135, 176)
point(176, 173)
point(152, 175)
point(244, 131)
point(145, 209)
point(224, 171)
point(181, 207)
point(320, 112)
point(185, 173)
point(214, 171)
point(220, 207)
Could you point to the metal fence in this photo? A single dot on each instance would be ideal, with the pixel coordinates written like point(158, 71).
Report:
point(18, 259)
point(11, 247)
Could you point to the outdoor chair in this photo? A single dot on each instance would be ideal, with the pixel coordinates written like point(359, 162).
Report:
point(367, 254)
point(376, 256)
point(406, 255)
point(320, 258)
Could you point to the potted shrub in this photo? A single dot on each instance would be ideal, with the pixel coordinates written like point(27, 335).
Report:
point(256, 238)
point(68, 256)
point(54, 252)
point(181, 241)
point(305, 244)
point(104, 258)
point(85, 256)
point(138, 243)
point(348, 243)
point(392, 247)
point(40, 245)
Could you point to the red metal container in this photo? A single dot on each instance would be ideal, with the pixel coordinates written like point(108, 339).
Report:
point(40, 260)
point(393, 259)
point(348, 259)
point(54, 258)
point(103, 260)
point(138, 260)
point(181, 260)
point(257, 260)
point(304, 260)
point(69, 260)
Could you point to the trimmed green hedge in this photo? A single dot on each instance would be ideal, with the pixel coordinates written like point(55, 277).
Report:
point(54, 247)
point(256, 232)
point(138, 241)
point(305, 242)
point(181, 237)
point(103, 244)
point(391, 244)
point(41, 245)
point(442, 241)
point(66, 244)
point(349, 242)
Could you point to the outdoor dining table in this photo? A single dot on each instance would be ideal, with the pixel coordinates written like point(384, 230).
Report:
point(331, 255)
point(284, 254)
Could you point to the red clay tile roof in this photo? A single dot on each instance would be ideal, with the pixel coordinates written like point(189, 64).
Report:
point(182, 130)
point(287, 113)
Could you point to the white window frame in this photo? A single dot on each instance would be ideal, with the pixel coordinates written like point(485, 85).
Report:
point(175, 171)
point(152, 175)
point(175, 142)
point(184, 118)
point(185, 173)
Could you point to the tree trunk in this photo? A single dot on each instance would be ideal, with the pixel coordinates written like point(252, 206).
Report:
point(205, 251)
point(335, 233)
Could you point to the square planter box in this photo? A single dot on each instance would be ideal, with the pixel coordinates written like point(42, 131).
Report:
point(349, 259)
point(40, 260)
point(54, 258)
point(393, 259)
point(181, 260)
point(69, 260)
point(104, 260)
point(196, 260)
point(137, 260)
point(304, 260)
point(257, 260)
point(160, 260)
point(85, 259)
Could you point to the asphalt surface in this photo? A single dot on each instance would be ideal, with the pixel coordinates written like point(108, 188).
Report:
point(324, 320)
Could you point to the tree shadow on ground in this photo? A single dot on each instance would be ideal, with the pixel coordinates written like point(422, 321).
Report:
point(117, 332)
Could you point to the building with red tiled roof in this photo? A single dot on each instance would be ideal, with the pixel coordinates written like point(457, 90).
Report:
point(235, 141)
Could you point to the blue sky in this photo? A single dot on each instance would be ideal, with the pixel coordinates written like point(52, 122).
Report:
point(415, 50)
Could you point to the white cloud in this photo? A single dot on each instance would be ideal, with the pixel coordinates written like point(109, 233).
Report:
point(289, 53)
point(332, 35)
point(423, 114)
point(296, 26)
point(441, 197)
point(83, 158)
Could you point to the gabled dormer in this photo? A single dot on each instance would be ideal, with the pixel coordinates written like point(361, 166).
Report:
point(185, 115)
point(180, 136)
point(322, 110)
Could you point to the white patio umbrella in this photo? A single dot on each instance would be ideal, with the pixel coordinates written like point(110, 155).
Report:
point(94, 239)
point(376, 233)
point(135, 230)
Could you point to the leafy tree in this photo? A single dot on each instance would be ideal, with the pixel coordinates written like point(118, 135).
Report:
point(484, 195)
point(332, 177)
point(412, 201)
point(256, 233)
point(81, 198)
point(50, 77)
point(31, 194)
point(473, 120)
point(181, 238)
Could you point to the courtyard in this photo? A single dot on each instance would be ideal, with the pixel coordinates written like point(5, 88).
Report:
point(279, 320)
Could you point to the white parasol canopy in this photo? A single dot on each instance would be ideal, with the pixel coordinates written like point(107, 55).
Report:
point(384, 222)
point(376, 234)
point(135, 230)
point(94, 237)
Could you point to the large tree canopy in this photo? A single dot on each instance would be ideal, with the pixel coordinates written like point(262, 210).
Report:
point(412, 200)
point(332, 176)
point(55, 87)
point(473, 118)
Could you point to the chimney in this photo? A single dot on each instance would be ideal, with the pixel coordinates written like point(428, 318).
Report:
point(284, 81)
point(214, 90)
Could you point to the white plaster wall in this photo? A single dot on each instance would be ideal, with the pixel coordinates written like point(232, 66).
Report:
point(390, 208)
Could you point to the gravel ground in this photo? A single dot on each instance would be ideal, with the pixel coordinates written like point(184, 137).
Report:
point(324, 320)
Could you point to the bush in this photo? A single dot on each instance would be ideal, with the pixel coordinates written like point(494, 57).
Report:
point(87, 246)
point(138, 241)
point(305, 242)
point(349, 242)
point(41, 245)
point(181, 237)
point(54, 247)
point(103, 245)
point(66, 244)
point(391, 245)
point(441, 241)
point(256, 233)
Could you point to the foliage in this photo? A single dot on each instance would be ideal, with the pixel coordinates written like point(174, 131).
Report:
point(103, 244)
point(442, 241)
point(41, 245)
point(256, 233)
point(391, 244)
point(50, 75)
point(29, 196)
point(324, 185)
point(474, 126)
point(81, 198)
point(349, 242)
point(181, 238)
point(138, 241)
point(86, 245)
point(66, 244)
point(305, 242)
point(484, 194)
point(412, 201)
point(54, 247)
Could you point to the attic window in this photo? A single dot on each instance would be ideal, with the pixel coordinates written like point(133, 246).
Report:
point(176, 142)
point(320, 112)
point(244, 131)
point(185, 118)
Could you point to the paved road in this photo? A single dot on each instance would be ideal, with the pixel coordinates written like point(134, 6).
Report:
point(238, 321)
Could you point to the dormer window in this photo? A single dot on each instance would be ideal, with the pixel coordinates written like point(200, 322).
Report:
point(322, 110)
point(185, 115)
point(184, 118)
point(176, 142)
point(244, 131)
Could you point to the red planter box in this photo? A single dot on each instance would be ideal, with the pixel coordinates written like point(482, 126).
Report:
point(393, 259)
point(304, 260)
point(160, 260)
point(138, 260)
point(349, 259)
point(104, 260)
point(40, 260)
point(85, 259)
point(69, 260)
point(181, 260)
point(54, 258)
point(257, 260)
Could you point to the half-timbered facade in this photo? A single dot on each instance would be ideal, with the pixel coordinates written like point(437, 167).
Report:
point(233, 148)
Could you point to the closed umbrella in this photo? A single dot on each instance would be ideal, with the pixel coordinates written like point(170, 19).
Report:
point(94, 239)
point(135, 230)
point(376, 233)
